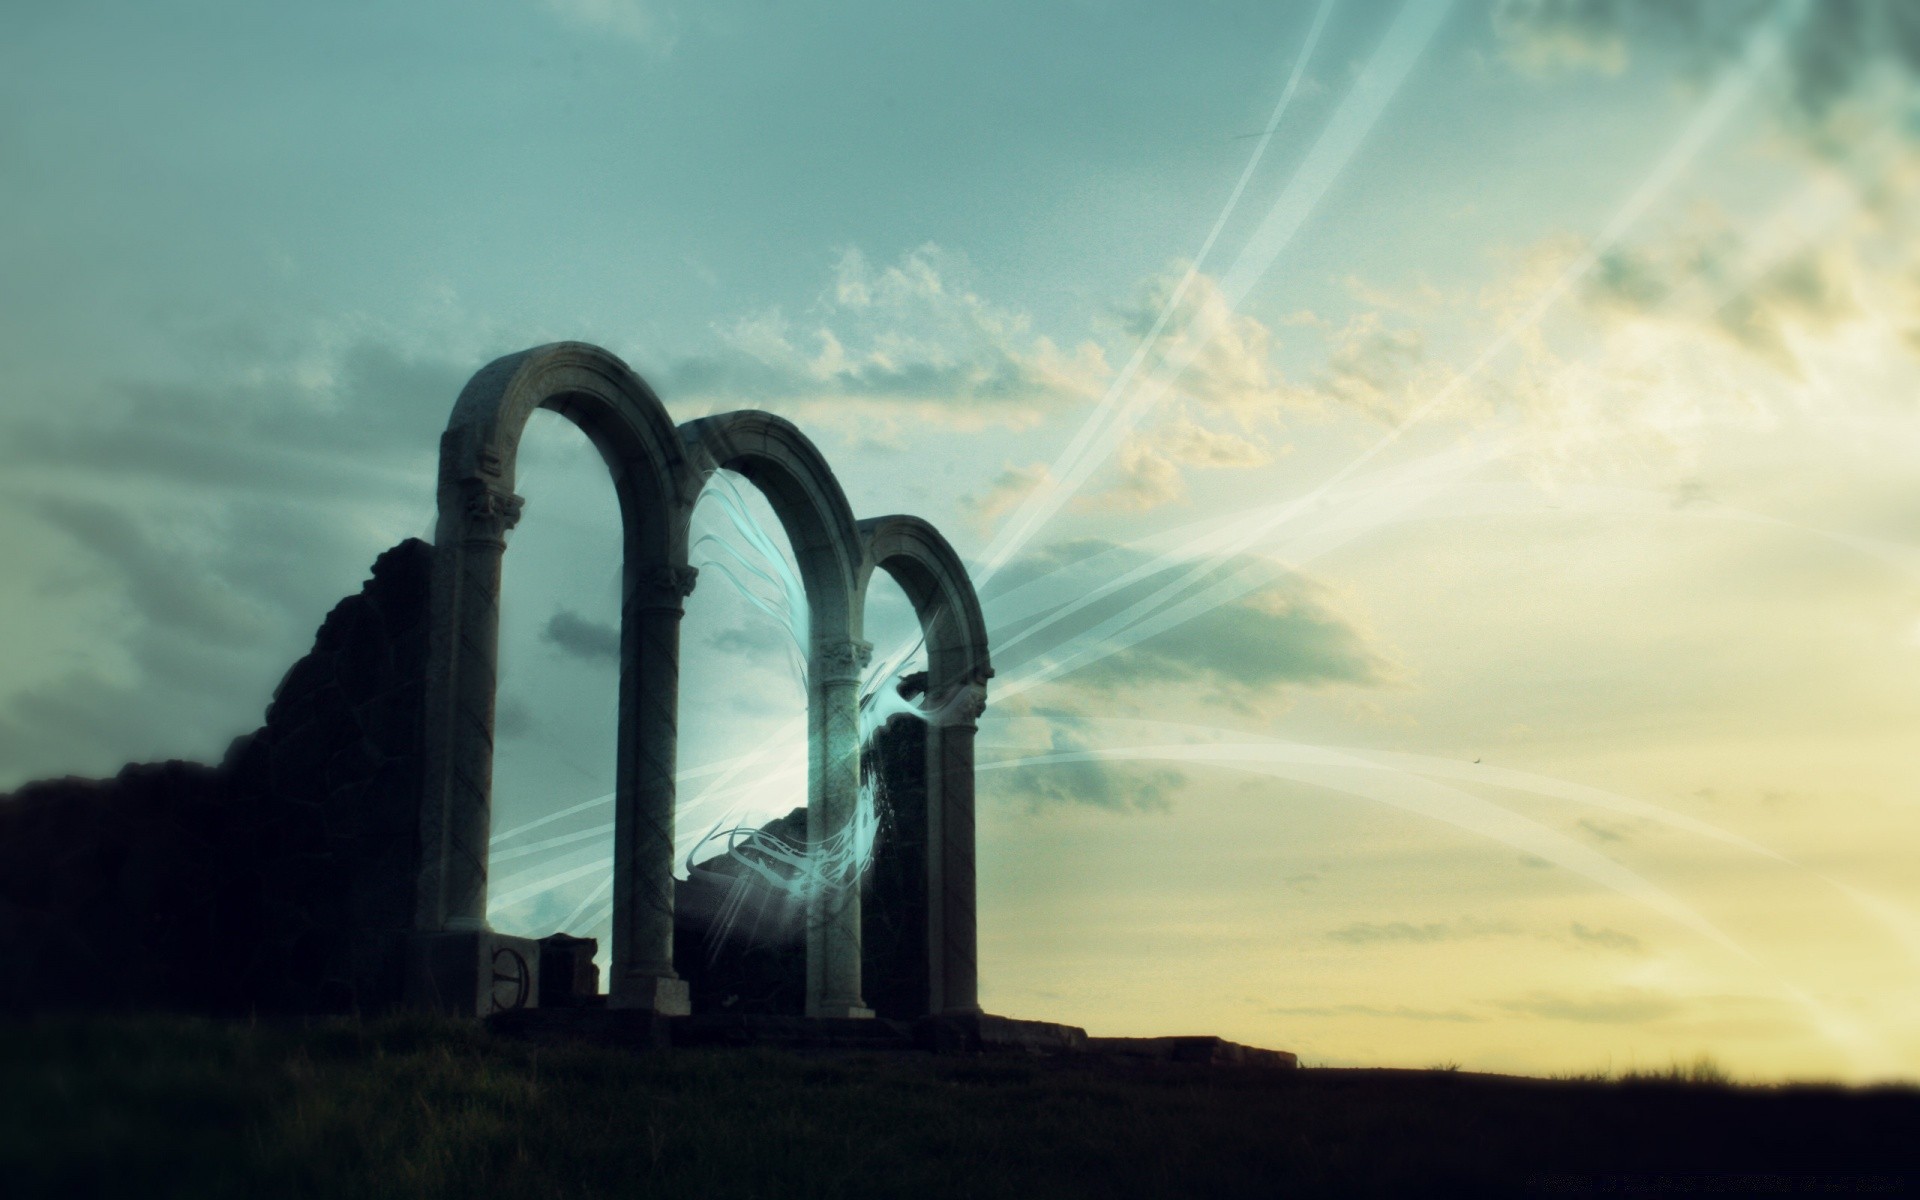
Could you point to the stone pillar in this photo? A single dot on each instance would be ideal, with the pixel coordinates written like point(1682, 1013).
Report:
point(833, 796)
point(643, 974)
point(952, 925)
point(462, 659)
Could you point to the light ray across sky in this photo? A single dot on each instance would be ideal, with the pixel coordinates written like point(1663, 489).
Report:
point(1516, 430)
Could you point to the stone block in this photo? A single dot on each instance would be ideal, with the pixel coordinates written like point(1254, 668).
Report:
point(569, 977)
point(661, 994)
point(473, 972)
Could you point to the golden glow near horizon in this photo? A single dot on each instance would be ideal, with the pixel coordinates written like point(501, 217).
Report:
point(1521, 660)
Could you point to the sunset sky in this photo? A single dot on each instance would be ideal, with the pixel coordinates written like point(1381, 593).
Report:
point(1441, 475)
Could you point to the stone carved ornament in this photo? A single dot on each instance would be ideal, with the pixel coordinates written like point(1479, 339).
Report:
point(491, 505)
point(664, 586)
point(842, 661)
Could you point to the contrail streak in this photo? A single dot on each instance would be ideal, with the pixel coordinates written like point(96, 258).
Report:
point(1763, 50)
point(1733, 90)
point(1402, 45)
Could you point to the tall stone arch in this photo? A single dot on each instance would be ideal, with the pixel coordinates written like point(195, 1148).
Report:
point(790, 471)
point(477, 506)
point(939, 781)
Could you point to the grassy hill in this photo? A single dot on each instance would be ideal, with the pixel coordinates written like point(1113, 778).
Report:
point(414, 1107)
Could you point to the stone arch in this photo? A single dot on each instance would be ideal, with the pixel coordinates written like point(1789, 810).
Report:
point(936, 582)
point(929, 766)
point(477, 506)
point(791, 472)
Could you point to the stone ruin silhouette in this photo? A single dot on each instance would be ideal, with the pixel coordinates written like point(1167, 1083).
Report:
point(335, 861)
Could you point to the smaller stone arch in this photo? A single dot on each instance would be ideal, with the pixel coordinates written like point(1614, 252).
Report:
point(791, 472)
point(928, 766)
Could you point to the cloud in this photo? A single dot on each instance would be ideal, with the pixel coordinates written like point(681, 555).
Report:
point(359, 420)
point(1147, 468)
point(1228, 355)
point(212, 513)
point(1372, 362)
point(1286, 632)
point(1836, 52)
point(159, 579)
point(1371, 366)
point(584, 639)
point(1143, 478)
point(195, 612)
point(639, 21)
point(1006, 492)
point(1628, 1006)
point(1192, 445)
point(1397, 1013)
point(1115, 787)
point(913, 333)
point(758, 639)
point(1366, 933)
point(1605, 939)
point(1541, 37)
point(1605, 833)
point(1809, 291)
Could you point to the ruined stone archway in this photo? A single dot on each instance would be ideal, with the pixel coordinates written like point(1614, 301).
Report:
point(658, 473)
point(936, 782)
point(790, 471)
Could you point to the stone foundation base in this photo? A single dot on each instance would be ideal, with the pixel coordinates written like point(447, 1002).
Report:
point(950, 1033)
point(1211, 1050)
point(663, 994)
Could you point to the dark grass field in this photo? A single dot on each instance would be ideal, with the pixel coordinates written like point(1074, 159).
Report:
point(424, 1108)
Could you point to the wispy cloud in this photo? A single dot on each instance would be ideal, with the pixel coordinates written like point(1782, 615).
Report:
point(1118, 788)
point(1366, 933)
point(1289, 632)
point(584, 639)
point(911, 333)
point(1395, 1013)
point(1627, 1006)
point(644, 22)
point(1604, 938)
point(1005, 492)
point(1835, 51)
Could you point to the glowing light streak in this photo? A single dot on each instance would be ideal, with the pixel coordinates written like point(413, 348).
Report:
point(1402, 45)
point(1732, 91)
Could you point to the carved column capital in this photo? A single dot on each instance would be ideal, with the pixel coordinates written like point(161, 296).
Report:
point(963, 706)
point(841, 661)
point(490, 510)
point(664, 587)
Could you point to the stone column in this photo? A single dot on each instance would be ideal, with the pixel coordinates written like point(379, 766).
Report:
point(833, 796)
point(956, 952)
point(463, 655)
point(643, 974)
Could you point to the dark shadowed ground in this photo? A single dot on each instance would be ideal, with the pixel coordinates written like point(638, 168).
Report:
point(410, 1107)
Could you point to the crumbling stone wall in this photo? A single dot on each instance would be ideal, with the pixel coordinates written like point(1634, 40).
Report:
point(280, 881)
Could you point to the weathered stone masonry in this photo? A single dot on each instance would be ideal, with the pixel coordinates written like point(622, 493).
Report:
point(337, 859)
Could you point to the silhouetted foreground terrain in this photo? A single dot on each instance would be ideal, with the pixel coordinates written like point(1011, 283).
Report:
point(412, 1107)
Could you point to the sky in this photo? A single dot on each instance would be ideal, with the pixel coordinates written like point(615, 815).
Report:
point(1438, 474)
